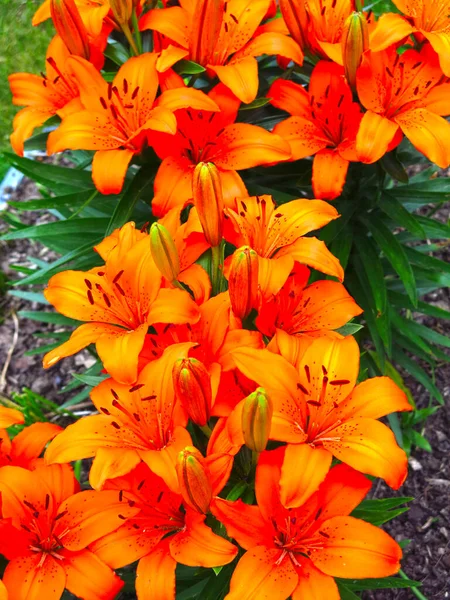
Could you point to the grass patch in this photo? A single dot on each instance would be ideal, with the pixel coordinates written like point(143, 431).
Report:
point(23, 48)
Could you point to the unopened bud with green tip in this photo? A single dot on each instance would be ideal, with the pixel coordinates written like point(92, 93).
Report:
point(257, 414)
point(194, 481)
point(192, 385)
point(121, 10)
point(354, 42)
point(70, 27)
point(243, 281)
point(164, 252)
point(208, 200)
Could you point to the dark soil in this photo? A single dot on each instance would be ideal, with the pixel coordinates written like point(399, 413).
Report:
point(426, 525)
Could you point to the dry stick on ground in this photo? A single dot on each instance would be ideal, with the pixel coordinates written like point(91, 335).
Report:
point(10, 351)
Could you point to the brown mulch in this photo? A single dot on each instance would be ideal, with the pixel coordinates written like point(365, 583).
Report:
point(426, 525)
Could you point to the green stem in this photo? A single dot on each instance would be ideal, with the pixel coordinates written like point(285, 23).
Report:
point(255, 456)
point(137, 33)
point(217, 269)
point(414, 590)
point(129, 36)
point(206, 430)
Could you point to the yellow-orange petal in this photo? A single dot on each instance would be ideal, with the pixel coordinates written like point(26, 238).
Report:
point(374, 136)
point(109, 168)
point(86, 575)
point(329, 174)
point(313, 252)
point(356, 549)
point(10, 416)
point(370, 447)
point(155, 575)
point(263, 573)
point(240, 76)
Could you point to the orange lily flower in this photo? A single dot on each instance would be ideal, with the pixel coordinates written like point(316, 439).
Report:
point(10, 416)
point(320, 413)
point(299, 313)
point(94, 13)
point(46, 529)
point(220, 36)
point(55, 93)
point(3, 591)
point(296, 553)
point(403, 94)
point(216, 138)
point(141, 422)
point(213, 339)
point(118, 118)
point(324, 123)
point(120, 301)
point(25, 448)
point(144, 537)
point(424, 19)
point(317, 25)
point(277, 236)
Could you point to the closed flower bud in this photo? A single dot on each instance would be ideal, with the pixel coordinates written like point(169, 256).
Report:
point(354, 41)
point(192, 384)
point(70, 27)
point(206, 25)
point(194, 481)
point(256, 420)
point(164, 252)
point(122, 10)
point(208, 200)
point(243, 281)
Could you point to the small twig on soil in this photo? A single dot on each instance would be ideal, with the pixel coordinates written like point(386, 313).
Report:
point(10, 351)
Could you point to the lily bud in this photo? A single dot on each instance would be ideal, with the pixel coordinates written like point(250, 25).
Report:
point(354, 41)
point(192, 384)
point(70, 27)
point(257, 419)
point(164, 252)
point(208, 200)
point(243, 281)
point(122, 10)
point(206, 25)
point(193, 477)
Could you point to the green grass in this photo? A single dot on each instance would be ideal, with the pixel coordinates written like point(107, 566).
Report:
point(22, 48)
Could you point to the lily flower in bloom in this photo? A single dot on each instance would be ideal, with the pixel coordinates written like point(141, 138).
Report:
point(213, 137)
point(160, 536)
point(119, 301)
point(26, 447)
point(299, 313)
point(430, 19)
point(46, 529)
point(118, 118)
point(403, 94)
point(54, 93)
point(317, 25)
point(319, 413)
point(297, 553)
point(277, 236)
point(324, 123)
point(141, 422)
point(93, 13)
point(220, 36)
point(10, 416)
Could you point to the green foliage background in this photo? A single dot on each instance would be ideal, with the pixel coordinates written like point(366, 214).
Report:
point(22, 49)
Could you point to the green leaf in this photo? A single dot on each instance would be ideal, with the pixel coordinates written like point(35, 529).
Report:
point(257, 103)
point(90, 380)
point(418, 373)
point(79, 229)
point(394, 252)
point(434, 230)
point(429, 334)
point(116, 52)
point(420, 193)
point(385, 583)
point(30, 296)
point(420, 441)
point(349, 329)
point(130, 197)
point(345, 592)
point(58, 179)
point(426, 261)
point(188, 67)
point(400, 216)
point(390, 163)
point(406, 327)
point(47, 317)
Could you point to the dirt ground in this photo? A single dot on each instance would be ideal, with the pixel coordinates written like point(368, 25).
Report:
point(426, 525)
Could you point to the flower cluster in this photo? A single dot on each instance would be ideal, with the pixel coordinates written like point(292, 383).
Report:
point(230, 414)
